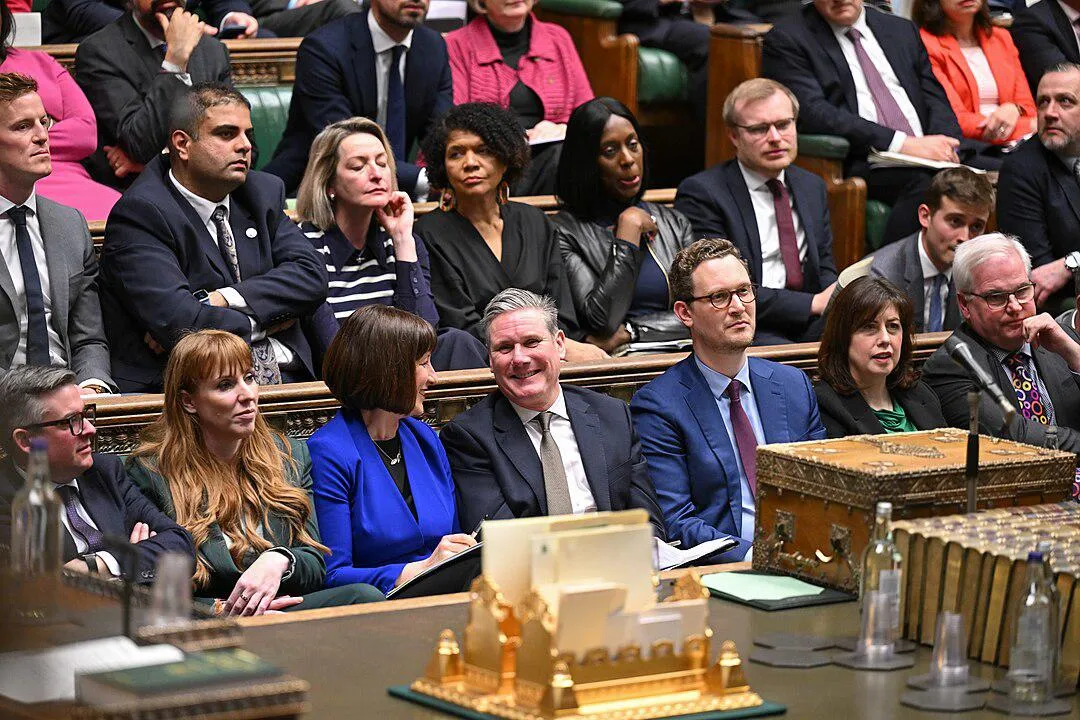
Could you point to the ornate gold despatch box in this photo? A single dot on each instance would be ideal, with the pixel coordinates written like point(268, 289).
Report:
point(815, 502)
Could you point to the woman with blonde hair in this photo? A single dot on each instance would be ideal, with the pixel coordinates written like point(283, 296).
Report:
point(242, 490)
point(362, 225)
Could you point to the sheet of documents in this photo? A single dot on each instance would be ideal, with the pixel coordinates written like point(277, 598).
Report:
point(666, 557)
point(751, 586)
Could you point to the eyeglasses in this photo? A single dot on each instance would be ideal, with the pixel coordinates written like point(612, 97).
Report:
point(75, 422)
point(998, 300)
point(722, 298)
point(757, 132)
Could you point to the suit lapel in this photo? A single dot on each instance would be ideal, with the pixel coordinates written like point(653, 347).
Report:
point(699, 398)
point(364, 55)
point(148, 57)
point(827, 40)
point(1059, 24)
point(1065, 179)
point(7, 284)
point(913, 281)
point(100, 505)
point(588, 433)
point(914, 408)
point(736, 185)
point(952, 309)
point(983, 356)
point(56, 260)
point(771, 406)
point(956, 57)
point(515, 445)
point(247, 245)
point(397, 512)
point(206, 243)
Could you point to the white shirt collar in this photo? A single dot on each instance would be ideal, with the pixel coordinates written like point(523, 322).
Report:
point(30, 204)
point(557, 408)
point(929, 269)
point(756, 181)
point(380, 40)
point(203, 208)
point(859, 24)
point(154, 41)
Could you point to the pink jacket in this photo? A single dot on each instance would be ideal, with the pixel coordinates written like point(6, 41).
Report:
point(551, 68)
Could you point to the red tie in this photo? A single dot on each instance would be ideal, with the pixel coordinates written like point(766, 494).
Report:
point(744, 435)
point(789, 244)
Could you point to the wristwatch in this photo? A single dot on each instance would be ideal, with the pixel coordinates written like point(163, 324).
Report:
point(1072, 261)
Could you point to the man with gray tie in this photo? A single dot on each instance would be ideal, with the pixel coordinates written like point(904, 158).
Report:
point(537, 447)
point(49, 309)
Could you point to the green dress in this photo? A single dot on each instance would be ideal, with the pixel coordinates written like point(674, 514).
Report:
point(895, 420)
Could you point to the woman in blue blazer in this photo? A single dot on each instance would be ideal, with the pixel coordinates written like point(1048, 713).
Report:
point(383, 491)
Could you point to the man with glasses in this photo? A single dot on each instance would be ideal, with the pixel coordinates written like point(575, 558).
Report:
point(701, 421)
point(99, 502)
point(1030, 356)
point(776, 214)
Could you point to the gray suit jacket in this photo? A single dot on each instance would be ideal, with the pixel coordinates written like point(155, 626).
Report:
point(898, 263)
point(76, 312)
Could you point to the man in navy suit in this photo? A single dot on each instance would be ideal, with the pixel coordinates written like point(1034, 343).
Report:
point(537, 447)
point(201, 241)
point(701, 421)
point(381, 64)
point(776, 214)
point(1045, 35)
point(865, 75)
point(99, 502)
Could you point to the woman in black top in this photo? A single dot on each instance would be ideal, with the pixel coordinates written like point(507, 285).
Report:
point(868, 385)
point(481, 243)
point(617, 249)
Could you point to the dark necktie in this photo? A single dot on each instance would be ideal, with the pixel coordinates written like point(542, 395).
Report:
point(395, 105)
point(888, 111)
point(555, 485)
point(1032, 405)
point(95, 541)
point(789, 243)
point(745, 438)
point(937, 308)
point(37, 332)
point(263, 361)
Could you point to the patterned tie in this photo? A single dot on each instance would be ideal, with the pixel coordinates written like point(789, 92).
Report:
point(789, 243)
point(937, 311)
point(37, 331)
point(744, 435)
point(1027, 390)
point(395, 105)
point(555, 485)
point(888, 111)
point(263, 362)
point(95, 541)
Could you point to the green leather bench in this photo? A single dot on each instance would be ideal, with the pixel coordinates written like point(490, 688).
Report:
point(269, 113)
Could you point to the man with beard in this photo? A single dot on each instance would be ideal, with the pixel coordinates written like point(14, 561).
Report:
point(199, 241)
point(1038, 191)
point(132, 72)
point(701, 421)
point(381, 64)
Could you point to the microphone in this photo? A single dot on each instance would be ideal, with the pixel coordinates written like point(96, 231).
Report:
point(961, 354)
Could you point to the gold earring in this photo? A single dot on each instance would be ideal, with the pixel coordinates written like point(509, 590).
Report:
point(504, 192)
point(447, 201)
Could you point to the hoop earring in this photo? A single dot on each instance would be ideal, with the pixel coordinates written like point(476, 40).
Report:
point(447, 201)
point(504, 193)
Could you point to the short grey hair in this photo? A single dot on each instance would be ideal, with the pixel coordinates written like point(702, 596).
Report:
point(512, 299)
point(1062, 67)
point(971, 253)
point(21, 392)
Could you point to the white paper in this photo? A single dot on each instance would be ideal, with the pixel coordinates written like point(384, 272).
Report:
point(885, 158)
point(667, 557)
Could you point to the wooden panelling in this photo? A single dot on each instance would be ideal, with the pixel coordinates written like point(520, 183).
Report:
point(734, 56)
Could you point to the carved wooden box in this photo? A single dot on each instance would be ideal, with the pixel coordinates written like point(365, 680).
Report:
point(816, 500)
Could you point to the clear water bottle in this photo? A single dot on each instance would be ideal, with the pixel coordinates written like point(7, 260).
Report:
point(37, 533)
point(881, 575)
point(1030, 657)
point(1046, 548)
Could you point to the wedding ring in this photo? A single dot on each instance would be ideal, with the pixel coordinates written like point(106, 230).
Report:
point(245, 598)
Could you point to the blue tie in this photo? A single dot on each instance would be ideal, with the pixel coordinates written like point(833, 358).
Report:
point(395, 106)
point(937, 315)
point(37, 333)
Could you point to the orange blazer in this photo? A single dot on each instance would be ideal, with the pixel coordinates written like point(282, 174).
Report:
point(952, 71)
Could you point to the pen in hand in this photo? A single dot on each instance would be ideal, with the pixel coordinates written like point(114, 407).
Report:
point(479, 527)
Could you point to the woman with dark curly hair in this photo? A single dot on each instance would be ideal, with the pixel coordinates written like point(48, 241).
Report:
point(480, 243)
point(617, 249)
point(868, 385)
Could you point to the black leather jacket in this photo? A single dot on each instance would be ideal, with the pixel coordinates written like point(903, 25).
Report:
point(602, 272)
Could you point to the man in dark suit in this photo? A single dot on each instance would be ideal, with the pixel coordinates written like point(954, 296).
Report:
point(72, 21)
point(1045, 35)
point(702, 420)
point(49, 307)
point(99, 502)
point(865, 75)
point(200, 241)
point(132, 71)
point(537, 447)
point(957, 207)
point(381, 64)
point(1033, 360)
point(776, 214)
point(1038, 192)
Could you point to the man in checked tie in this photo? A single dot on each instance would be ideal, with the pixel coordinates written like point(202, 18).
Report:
point(537, 447)
point(701, 421)
point(1033, 360)
point(202, 241)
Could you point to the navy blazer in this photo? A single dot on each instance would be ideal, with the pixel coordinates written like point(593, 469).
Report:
point(1038, 201)
point(497, 469)
point(691, 459)
point(802, 52)
point(335, 80)
point(850, 414)
point(363, 517)
point(717, 203)
point(157, 252)
point(899, 263)
point(1043, 36)
point(115, 505)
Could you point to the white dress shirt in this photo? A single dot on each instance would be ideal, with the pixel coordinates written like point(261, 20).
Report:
point(929, 272)
point(773, 272)
point(581, 496)
point(205, 210)
point(156, 42)
point(867, 109)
